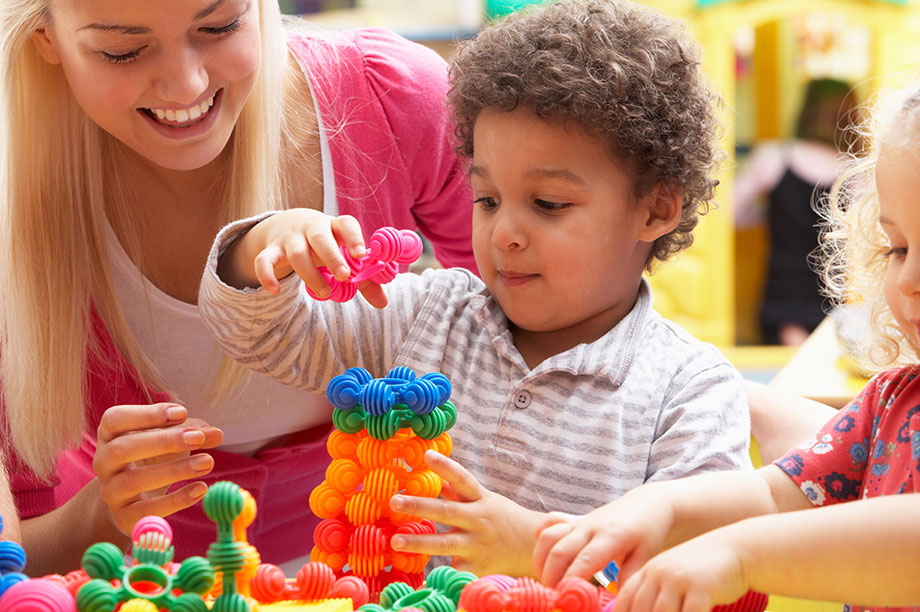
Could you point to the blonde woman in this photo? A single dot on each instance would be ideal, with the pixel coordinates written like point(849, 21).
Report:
point(131, 132)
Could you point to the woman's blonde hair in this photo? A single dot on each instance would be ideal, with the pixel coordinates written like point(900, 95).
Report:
point(853, 243)
point(53, 262)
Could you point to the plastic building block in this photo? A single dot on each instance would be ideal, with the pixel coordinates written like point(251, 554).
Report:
point(752, 601)
point(315, 582)
point(440, 593)
point(383, 428)
point(38, 595)
point(12, 562)
point(250, 556)
point(499, 593)
point(329, 605)
point(149, 585)
point(388, 248)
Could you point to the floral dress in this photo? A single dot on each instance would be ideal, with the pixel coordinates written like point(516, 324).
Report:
point(870, 448)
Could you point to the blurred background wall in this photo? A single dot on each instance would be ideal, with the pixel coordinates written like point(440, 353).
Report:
point(759, 54)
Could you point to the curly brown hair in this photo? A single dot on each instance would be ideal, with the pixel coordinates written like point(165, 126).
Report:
point(624, 73)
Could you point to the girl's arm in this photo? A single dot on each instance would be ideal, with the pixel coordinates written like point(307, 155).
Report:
point(657, 516)
point(780, 420)
point(862, 552)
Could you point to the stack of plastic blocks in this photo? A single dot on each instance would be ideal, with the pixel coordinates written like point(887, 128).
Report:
point(382, 429)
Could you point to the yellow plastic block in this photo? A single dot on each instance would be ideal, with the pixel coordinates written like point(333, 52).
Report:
point(328, 605)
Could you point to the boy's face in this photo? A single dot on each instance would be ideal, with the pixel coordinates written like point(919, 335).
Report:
point(556, 229)
point(898, 183)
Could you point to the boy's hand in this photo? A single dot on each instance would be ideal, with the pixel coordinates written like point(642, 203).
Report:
point(629, 530)
point(691, 577)
point(141, 451)
point(297, 240)
point(489, 533)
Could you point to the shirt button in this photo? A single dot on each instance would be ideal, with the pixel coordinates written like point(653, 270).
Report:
point(522, 399)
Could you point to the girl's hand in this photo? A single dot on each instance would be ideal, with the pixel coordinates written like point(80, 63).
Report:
point(489, 533)
point(629, 530)
point(141, 451)
point(297, 240)
point(691, 577)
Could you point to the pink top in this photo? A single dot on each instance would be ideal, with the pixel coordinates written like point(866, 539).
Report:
point(381, 98)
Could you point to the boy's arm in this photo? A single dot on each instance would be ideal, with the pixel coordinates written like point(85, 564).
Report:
point(862, 552)
point(658, 515)
point(289, 336)
point(296, 240)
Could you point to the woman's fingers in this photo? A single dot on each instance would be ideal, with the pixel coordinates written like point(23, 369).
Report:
point(119, 420)
point(162, 505)
point(130, 483)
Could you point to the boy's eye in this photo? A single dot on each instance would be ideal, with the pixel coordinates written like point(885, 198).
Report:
point(899, 252)
point(551, 206)
point(223, 30)
point(487, 203)
point(121, 58)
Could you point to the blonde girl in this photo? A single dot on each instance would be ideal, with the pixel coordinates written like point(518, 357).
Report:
point(836, 517)
point(131, 132)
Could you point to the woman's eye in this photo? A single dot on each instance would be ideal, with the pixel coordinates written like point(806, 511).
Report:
point(121, 58)
point(896, 252)
point(552, 206)
point(487, 202)
point(223, 30)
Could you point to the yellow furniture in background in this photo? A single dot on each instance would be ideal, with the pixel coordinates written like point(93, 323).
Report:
point(698, 289)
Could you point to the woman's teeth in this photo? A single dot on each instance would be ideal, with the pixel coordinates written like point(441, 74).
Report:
point(183, 115)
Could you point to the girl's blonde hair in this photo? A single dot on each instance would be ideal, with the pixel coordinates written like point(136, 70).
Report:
point(853, 243)
point(53, 261)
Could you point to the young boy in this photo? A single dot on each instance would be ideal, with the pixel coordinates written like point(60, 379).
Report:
point(591, 138)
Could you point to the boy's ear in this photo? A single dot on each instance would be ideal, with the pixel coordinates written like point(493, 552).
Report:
point(46, 46)
point(663, 205)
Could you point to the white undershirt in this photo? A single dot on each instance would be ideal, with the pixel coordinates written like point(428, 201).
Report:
point(172, 334)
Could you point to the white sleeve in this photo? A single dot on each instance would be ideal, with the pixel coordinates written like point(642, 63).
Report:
point(704, 426)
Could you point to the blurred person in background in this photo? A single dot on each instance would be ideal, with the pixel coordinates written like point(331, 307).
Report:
point(795, 175)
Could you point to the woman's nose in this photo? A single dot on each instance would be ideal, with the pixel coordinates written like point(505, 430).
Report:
point(181, 76)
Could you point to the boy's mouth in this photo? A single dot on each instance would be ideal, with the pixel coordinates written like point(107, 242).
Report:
point(510, 277)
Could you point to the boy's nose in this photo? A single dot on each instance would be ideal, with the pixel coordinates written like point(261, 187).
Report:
point(508, 232)
point(181, 77)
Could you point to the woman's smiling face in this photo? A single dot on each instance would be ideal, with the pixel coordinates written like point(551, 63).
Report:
point(167, 79)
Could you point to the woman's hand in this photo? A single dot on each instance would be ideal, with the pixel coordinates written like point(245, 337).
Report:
point(297, 240)
point(141, 451)
point(489, 533)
